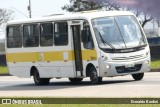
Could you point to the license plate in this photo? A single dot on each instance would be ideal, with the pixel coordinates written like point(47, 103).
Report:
point(129, 65)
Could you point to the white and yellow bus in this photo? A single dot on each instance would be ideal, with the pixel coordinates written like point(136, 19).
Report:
point(78, 45)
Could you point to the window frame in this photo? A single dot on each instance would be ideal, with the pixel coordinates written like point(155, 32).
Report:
point(54, 33)
point(40, 35)
point(31, 24)
point(21, 35)
point(91, 36)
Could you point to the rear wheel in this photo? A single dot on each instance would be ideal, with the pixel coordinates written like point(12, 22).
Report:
point(94, 76)
point(38, 80)
point(75, 80)
point(138, 77)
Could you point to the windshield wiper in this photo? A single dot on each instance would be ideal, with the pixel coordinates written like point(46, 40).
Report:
point(104, 41)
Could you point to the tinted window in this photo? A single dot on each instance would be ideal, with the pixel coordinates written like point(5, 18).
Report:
point(31, 35)
point(60, 33)
point(46, 34)
point(88, 42)
point(14, 37)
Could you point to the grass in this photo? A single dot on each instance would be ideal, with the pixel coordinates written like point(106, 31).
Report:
point(3, 70)
point(85, 105)
point(155, 64)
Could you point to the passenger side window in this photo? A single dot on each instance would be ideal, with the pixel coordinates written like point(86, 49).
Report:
point(87, 37)
point(60, 33)
point(31, 35)
point(46, 34)
point(14, 37)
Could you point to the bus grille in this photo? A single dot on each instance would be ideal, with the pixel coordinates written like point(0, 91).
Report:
point(128, 58)
point(122, 69)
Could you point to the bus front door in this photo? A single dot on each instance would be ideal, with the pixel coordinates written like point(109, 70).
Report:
point(76, 31)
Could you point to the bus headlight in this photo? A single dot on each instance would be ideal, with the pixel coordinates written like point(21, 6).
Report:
point(108, 66)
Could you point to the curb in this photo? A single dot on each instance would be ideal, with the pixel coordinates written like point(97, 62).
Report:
point(155, 70)
point(5, 75)
point(152, 70)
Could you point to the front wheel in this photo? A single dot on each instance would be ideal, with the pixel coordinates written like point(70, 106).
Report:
point(94, 76)
point(138, 77)
point(38, 80)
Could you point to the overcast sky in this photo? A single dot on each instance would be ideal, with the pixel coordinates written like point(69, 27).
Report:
point(40, 8)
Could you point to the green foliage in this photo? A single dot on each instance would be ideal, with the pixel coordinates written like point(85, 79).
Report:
point(3, 70)
point(81, 5)
point(86, 5)
point(155, 64)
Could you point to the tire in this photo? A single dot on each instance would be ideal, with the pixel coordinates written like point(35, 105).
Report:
point(138, 77)
point(75, 80)
point(94, 76)
point(38, 80)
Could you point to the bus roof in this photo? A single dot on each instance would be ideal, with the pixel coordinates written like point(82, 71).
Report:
point(77, 15)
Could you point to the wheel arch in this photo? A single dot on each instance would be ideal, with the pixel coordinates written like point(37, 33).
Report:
point(88, 67)
point(33, 68)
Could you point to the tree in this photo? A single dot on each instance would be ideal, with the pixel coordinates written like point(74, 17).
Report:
point(5, 15)
point(86, 5)
point(81, 5)
point(146, 17)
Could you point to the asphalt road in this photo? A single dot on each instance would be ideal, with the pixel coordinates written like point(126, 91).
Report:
point(111, 87)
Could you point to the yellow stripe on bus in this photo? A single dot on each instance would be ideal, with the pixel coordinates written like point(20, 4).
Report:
point(49, 56)
point(22, 57)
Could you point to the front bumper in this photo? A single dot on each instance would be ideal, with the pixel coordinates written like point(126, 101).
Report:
point(118, 68)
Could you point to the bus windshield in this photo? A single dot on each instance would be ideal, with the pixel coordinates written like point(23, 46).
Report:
point(119, 32)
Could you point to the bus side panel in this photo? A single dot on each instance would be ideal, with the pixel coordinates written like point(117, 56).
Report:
point(53, 70)
point(20, 71)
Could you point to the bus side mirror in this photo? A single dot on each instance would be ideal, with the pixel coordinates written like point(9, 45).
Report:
point(83, 36)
